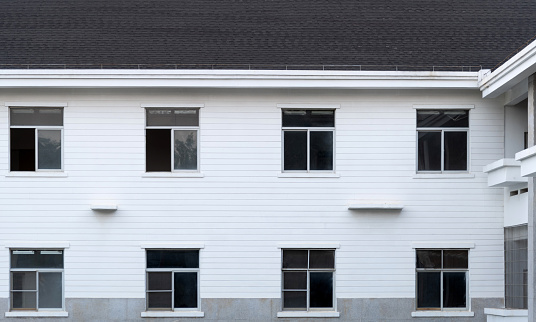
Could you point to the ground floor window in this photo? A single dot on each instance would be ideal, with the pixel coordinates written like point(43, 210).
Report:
point(172, 279)
point(442, 279)
point(515, 267)
point(36, 280)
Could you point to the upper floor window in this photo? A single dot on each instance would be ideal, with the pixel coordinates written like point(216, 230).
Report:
point(172, 279)
point(36, 280)
point(442, 279)
point(36, 138)
point(172, 139)
point(308, 140)
point(442, 140)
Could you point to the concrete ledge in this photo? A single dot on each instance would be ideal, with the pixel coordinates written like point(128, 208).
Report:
point(310, 314)
point(42, 314)
point(506, 312)
point(175, 314)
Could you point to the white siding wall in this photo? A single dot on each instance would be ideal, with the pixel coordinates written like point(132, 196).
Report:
point(241, 209)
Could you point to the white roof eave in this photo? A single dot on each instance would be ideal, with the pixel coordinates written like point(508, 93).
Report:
point(69, 78)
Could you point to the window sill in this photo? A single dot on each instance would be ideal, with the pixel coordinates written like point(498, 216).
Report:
point(41, 314)
point(309, 314)
point(434, 314)
point(307, 175)
point(38, 174)
point(172, 175)
point(443, 176)
point(175, 314)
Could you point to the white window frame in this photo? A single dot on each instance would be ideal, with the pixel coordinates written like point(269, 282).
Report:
point(442, 270)
point(36, 133)
point(172, 133)
point(309, 270)
point(23, 312)
point(309, 130)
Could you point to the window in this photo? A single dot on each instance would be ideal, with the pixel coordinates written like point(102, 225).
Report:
point(36, 280)
point(442, 279)
point(308, 279)
point(516, 266)
point(172, 136)
point(36, 138)
point(172, 279)
point(442, 137)
point(308, 140)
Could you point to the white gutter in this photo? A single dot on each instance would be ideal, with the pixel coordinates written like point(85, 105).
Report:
point(511, 73)
point(68, 78)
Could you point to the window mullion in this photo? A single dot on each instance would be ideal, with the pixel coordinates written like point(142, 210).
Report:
point(36, 147)
point(308, 150)
point(442, 154)
point(172, 290)
point(172, 149)
point(37, 290)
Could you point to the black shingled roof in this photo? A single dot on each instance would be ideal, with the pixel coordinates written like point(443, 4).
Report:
point(237, 33)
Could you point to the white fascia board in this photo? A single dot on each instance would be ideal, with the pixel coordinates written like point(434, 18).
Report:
point(62, 78)
point(515, 70)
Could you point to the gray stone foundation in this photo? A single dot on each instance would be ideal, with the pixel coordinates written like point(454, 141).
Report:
point(351, 310)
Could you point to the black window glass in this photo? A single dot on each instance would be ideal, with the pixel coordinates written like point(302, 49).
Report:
point(429, 147)
point(185, 293)
point(37, 259)
point(455, 259)
point(24, 300)
point(321, 152)
point(455, 150)
point(159, 300)
point(159, 281)
point(321, 294)
point(516, 267)
point(308, 118)
point(443, 118)
point(322, 259)
point(158, 150)
point(295, 300)
point(172, 117)
point(172, 258)
point(22, 143)
point(295, 150)
point(23, 281)
point(295, 280)
point(50, 290)
point(428, 289)
point(428, 258)
point(295, 258)
point(40, 116)
point(454, 289)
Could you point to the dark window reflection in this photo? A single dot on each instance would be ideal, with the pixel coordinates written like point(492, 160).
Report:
point(321, 152)
point(428, 289)
point(455, 151)
point(454, 289)
point(295, 150)
point(321, 293)
point(429, 146)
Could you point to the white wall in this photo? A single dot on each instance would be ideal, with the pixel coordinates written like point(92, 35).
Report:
point(241, 209)
point(515, 126)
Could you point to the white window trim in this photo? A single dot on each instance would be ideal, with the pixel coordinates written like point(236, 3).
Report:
point(308, 314)
point(308, 245)
point(37, 244)
point(175, 173)
point(174, 314)
point(36, 104)
point(40, 314)
point(46, 172)
point(173, 246)
point(443, 172)
point(430, 314)
point(309, 106)
point(442, 245)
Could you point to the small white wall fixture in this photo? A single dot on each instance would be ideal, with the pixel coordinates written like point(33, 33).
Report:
point(375, 205)
point(504, 173)
point(528, 161)
point(107, 208)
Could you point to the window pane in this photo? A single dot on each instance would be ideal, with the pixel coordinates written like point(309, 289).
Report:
point(321, 152)
point(186, 290)
point(321, 292)
point(36, 116)
point(172, 258)
point(159, 300)
point(428, 289)
point(428, 259)
point(429, 151)
point(49, 149)
point(294, 300)
point(455, 150)
point(446, 118)
point(295, 150)
point(158, 281)
point(185, 151)
point(23, 281)
point(172, 117)
point(37, 259)
point(516, 267)
point(455, 259)
point(157, 150)
point(22, 143)
point(50, 290)
point(308, 118)
point(24, 300)
point(295, 258)
point(322, 259)
point(454, 288)
point(295, 280)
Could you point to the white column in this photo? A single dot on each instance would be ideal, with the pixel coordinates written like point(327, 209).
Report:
point(532, 205)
